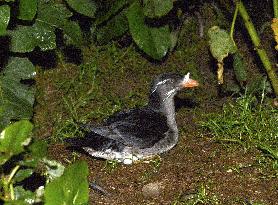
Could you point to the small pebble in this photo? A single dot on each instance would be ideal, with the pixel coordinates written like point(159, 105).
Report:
point(152, 190)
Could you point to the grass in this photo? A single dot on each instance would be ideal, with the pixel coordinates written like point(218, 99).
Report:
point(79, 94)
point(249, 122)
point(110, 166)
point(201, 196)
point(76, 94)
point(155, 164)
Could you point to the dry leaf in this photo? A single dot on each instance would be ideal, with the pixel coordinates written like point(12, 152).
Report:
point(274, 27)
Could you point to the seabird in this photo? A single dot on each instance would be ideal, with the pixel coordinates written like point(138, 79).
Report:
point(138, 133)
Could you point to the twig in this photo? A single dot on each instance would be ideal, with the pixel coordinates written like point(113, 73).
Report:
point(99, 189)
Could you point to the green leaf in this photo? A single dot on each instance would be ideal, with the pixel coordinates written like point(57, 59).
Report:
point(14, 138)
point(114, 28)
point(38, 149)
point(73, 33)
point(19, 69)
point(42, 33)
point(26, 38)
point(71, 188)
point(37, 154)
point(54, 169)
point(157, 8)
point(116, 6)
point(44, 36)
point(53, 14)
point(239, 67)
point(85, 7)
point(23, 174)
point(153, 41)
point(16, 99)
point(56, 16)
point(221, 44)
point(22, 40)
point(27, 9)
point(4, 18)
point(23, 195)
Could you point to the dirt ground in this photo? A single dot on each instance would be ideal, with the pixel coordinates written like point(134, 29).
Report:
point(229, 174)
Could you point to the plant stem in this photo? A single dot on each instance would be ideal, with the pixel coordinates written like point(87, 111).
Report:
point(7, 186)
point(233, 23)
point(275, 8)
point(257, 43)
point(13, 173)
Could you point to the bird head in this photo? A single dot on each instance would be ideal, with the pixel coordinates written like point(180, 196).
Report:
point(168, 84)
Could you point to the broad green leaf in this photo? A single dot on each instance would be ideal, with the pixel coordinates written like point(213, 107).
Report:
point(71, 188)
point(116, 6)
point(26, 38)
point(54, 169)
point(4, 18)
point(27, 9)
point(85, 7)
point(19, 69)
point(114, 28)
point(53, 14)
point(22, 39)
point(221, 44)
point(153, 41)
point(23, 174)
point(56, 16)
point(239, 67)
point(73, 33)
point(14, 138)
point(23, 195)
point(16, 99)
point(157, 8)
point(44, 36)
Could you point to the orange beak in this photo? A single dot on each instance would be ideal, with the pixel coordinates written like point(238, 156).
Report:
point(188, 82)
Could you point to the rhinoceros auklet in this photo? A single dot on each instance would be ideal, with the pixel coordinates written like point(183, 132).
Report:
point(138, 133)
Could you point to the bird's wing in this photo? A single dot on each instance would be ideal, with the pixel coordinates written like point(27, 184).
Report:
point(104, 131)
point(138, 127)
point(118, 116)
